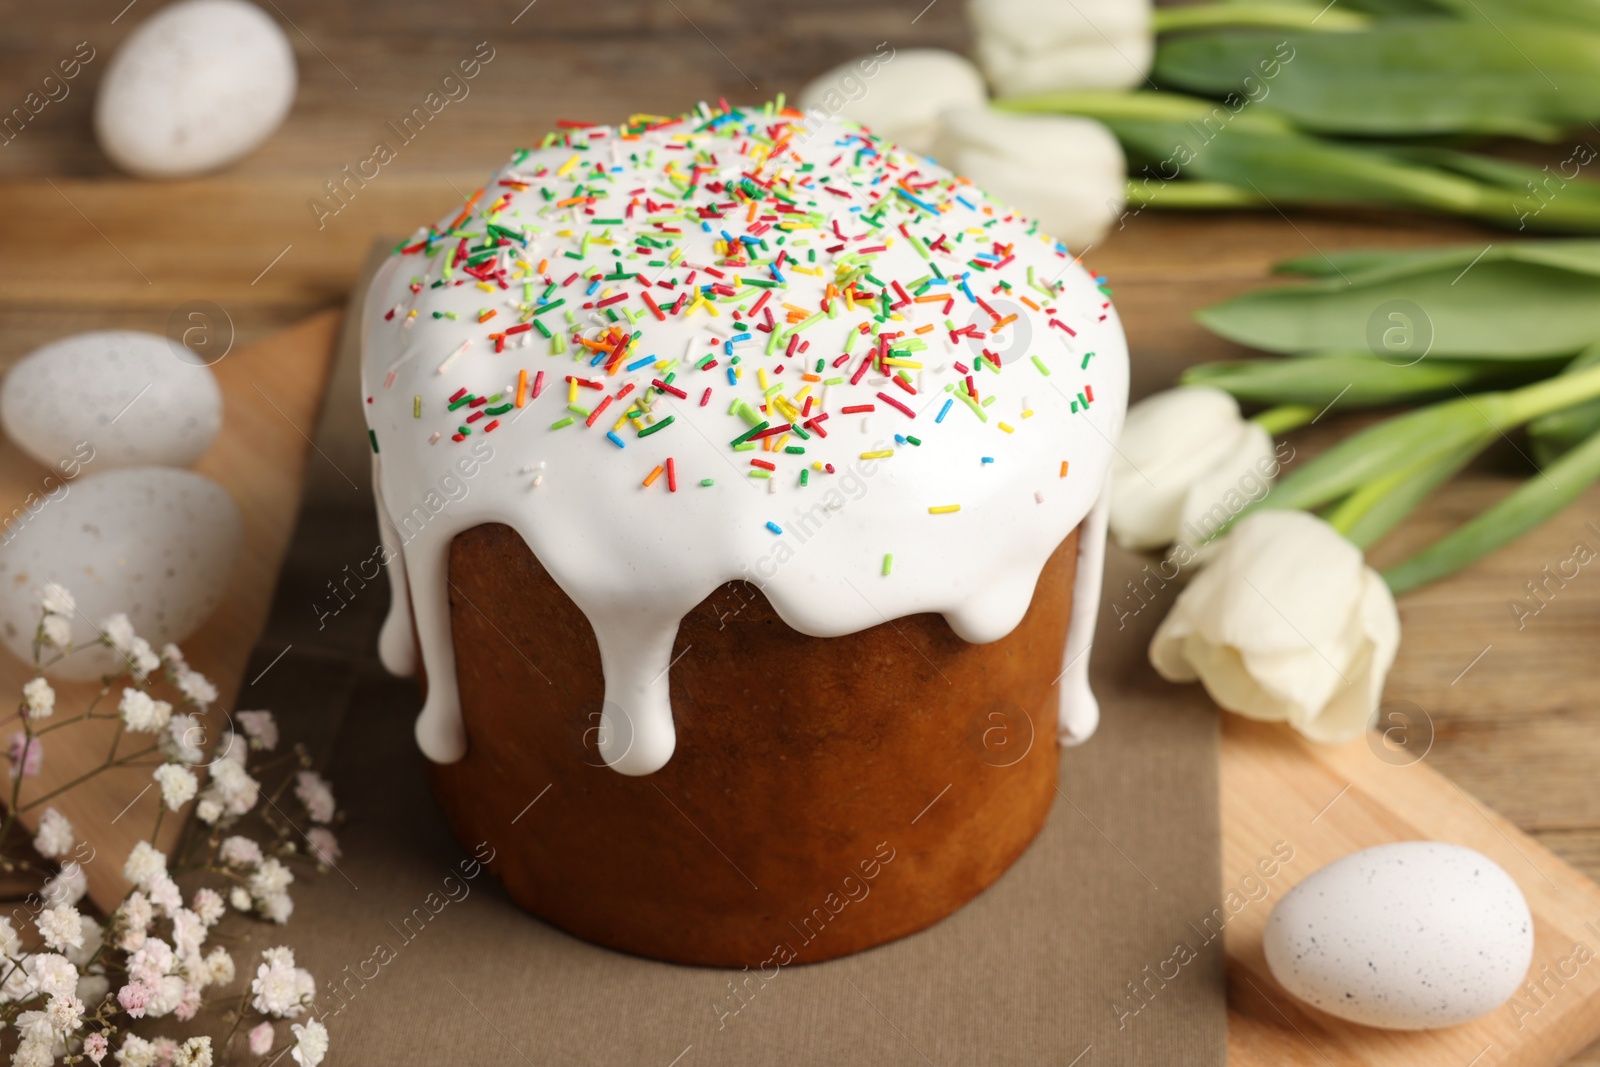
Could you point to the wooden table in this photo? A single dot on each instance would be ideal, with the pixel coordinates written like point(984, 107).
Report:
point(86, 248)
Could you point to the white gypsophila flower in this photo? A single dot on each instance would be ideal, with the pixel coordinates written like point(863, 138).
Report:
point(276, 986)
point(234, 748)
point(142, 713)
point(260, 727)
point(55, 599)
point(239, 852)
point(93, 937)
point(137, 1052)
point(196, 1052)
point(186, 735)
point(136, 913)
point(196, 687)
point(276, 907)
point(61, 927)
point(165, 894)
point(9, 941)
point(311, 1043)
point(1286, 623)
point(317, 796)
point(269, 878)
point(236, 789)
point(34, 1054)
point(15, 986)
point(142, 659)
point(208, 905)
point(172, 655)
point(68, 886)
point(209, 810)
point(188, 932)
point(57, 631)
point(51, 974)
point(92, 988)
point(196, 977)
point(34, 1027)
point(64, 1013)
point(118, 632)
point(178, 784)
point(261, 1039)
point(95, 1047)
point(38, 699)
point(153, 962)
point(145, 863)
point(219, 966)
point(55, 837)
point(168, 995)
point(239, 898)
point(324, 846)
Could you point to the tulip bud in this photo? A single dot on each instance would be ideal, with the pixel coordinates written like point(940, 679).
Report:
point(898, 97)
point(1186, 465)
point(1285, 623)
point(1042, 46)
point(1068, 173)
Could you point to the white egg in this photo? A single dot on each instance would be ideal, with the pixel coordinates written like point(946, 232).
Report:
point(133, 398)
point(1407, 936)
point(897, 95)
point(200, 84)
point(154, 542)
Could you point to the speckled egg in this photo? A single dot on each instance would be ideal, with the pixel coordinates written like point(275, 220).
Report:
point(200, 84)
point(133, 398)
point(1408, 936)
point(154, 542)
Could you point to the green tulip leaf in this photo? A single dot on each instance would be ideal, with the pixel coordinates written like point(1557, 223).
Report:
point(1507, 305)
point(1402, 77)
point(1537, 499)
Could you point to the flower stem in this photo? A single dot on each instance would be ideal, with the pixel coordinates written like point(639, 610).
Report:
point(1536, 500)
point(1268, 16)
point(1283, 418)
point(1370, 512)
point(1191, 195)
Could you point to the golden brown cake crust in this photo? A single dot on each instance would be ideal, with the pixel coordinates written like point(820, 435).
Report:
point(826, 795)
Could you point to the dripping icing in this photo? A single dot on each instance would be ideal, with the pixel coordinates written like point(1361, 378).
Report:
point(599, 532)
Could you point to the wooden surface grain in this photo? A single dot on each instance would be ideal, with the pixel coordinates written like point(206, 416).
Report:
point(1509, 709)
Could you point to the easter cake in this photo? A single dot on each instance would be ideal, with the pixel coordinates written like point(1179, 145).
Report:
point(740, 482)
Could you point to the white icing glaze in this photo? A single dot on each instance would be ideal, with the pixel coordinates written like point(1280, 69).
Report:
point(636, 559)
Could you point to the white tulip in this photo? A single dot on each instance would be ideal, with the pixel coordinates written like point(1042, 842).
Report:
point(897, 96)
point(1068, 173)
point(1042, 46)
point(1286, 623)
point(1186, 464)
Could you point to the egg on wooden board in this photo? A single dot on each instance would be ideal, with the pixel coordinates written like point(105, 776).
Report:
point(155, 542)
point(1408, 936)
point(134, 398)
point(199, 85)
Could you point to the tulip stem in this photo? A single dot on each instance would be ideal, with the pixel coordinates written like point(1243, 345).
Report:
point(1268, 15)
point(1369, 513)
point(1188, 195)
point(1536, 500)
point(1285, 417)
point(1552, 394)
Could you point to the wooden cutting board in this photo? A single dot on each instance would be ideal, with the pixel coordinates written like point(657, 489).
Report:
point(1326, 802)
point(271, 394)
